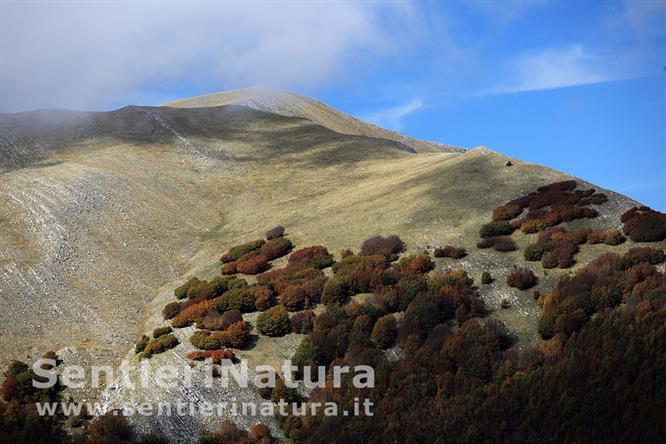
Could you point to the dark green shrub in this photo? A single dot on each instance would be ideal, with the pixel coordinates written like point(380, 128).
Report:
point(385, 331)
point(303, 321)
point(161, 331)
point(496, 228)
point(535, 252)
point(307, 354)
point(239, 250)
point(337, 290)
point(159, 345)
point(243, 299)
point(209, 290)
point(486, 278)
point(181, 292)
point(141, 344)
point(274, 322)
point(202, 340)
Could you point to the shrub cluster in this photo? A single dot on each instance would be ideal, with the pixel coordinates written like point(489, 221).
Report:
point(486, 278)
point(385, 331)
point(310, 280)
point(171, 309)
point(303, 321)
point(159, 345)
point(314, 257)
point(276, 248)
point(275, 233)
point(243, 299)
point(507, 212)
point(229, 268)
point(202, 290)
point(141, 344)
point(414, 264)
point(644, 225)
point(295, 298)
point(239, 250)
point(361, 273)
point(557, 247)
point(274, 322)
point(550, 205)
point(181, 292)
point(161, 331)
point(521, 278)
point(252, 263)
point(498, 243)
point(496, 228)
point(450, 251)
point(389, 247)
point(536, 221)
point(608, 237)
point(236, 336)
point(216, 356)
point(213, 320)
point(605, 282)
point(189, 315)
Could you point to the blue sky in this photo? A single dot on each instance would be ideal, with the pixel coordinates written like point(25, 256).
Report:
point(574, 85)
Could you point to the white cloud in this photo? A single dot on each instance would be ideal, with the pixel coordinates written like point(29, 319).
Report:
point(392, 118)
point(75, 54)
point(553, 68)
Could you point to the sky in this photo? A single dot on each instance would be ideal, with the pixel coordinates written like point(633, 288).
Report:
point(575, 85)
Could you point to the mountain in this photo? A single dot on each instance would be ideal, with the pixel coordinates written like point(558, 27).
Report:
point(103, 214)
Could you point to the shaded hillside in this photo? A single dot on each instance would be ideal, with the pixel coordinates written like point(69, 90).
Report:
point(289, 104)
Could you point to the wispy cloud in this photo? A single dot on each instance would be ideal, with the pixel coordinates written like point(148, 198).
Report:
point(553, 68)
point(392, 117)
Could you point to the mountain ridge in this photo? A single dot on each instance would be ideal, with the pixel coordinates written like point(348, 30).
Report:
point(295, 105)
